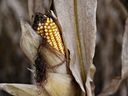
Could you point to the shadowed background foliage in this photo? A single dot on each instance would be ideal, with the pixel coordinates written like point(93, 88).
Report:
point(111, 17)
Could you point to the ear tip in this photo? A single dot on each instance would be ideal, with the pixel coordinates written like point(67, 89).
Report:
point(53, 14)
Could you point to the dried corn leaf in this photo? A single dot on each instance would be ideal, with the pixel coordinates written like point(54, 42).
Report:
point(19, 89)
point(78, 22)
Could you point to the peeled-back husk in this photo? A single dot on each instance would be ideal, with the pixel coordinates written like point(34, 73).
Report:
point(29, 41)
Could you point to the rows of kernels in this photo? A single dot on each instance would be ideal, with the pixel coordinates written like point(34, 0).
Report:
point(58, 38)
point(40, 29)
point(59, 41)
point(50, 31)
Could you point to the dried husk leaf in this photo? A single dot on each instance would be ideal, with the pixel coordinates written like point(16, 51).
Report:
point(68, 30)
point(78, 24)
point(52, 56)
point(19, 89)
point(30, 41)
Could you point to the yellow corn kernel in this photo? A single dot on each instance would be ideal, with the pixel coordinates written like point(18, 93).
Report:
point(39, 24)
point(41, 27)
point(50, 31)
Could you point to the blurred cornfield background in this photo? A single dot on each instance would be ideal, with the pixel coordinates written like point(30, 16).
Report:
point(111, 16)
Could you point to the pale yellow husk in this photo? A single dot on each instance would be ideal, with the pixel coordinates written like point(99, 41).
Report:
point(59, 85)
point(29, 41)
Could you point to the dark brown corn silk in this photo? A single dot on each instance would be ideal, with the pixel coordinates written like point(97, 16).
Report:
point(40, 69)
point(48, 29)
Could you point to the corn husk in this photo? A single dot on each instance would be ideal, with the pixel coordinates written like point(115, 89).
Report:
point(29, 41)
point(59, 84)
point(53, 57)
